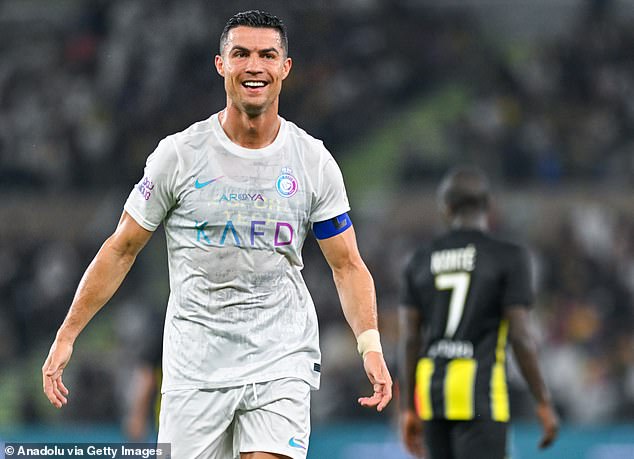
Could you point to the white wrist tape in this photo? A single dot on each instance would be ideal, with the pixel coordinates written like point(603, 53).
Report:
point(369, 341)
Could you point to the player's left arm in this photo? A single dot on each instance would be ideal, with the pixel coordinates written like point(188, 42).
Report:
point(355, 287)
point(517, 297)
point(525, 351)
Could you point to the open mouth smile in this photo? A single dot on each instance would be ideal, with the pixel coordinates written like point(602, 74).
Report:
point(254, 84)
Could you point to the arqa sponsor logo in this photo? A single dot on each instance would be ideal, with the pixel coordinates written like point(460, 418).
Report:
point(230, 197)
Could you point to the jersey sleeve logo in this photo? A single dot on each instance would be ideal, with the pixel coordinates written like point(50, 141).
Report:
point(145, 187)
point(286, 183)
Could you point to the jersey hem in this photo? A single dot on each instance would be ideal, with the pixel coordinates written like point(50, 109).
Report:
point(478, 418)
point(312, 382)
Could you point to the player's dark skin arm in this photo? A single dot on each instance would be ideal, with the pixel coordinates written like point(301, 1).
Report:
point(143, 386)
point(525, 351)
point(410, 339)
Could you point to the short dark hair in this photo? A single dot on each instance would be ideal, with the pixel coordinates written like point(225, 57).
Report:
point(255, 18)
point(464, 189)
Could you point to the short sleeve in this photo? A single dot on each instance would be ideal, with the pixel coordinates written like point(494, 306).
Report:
point(518, 285)
point(331, 199)
point(152, 198)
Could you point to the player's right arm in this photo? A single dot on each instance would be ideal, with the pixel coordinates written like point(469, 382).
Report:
point(525, 351)
point(98, 284)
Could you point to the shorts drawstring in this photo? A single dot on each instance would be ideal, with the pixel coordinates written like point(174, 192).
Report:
point(255, 392)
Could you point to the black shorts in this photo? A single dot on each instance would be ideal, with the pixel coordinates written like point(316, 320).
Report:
point(481, 439)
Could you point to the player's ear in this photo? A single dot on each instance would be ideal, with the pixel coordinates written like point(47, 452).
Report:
point(220, 65)
point(288, 63)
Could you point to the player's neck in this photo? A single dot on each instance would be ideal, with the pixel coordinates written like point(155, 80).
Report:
point(470, 222)
point(250, 131)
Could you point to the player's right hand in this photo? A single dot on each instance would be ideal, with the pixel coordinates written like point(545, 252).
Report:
point(550, 424)
point(412, 432)
point(52, 370)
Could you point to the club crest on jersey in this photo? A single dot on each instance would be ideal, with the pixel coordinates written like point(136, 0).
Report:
point(286, 183)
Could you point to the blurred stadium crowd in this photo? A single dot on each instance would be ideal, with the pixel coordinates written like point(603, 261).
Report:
point(87, 89)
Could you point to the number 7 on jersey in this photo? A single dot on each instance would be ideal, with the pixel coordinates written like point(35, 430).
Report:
point(458, 283)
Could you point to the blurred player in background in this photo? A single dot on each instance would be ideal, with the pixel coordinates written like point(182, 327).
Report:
point(142, 415)
point(237, 194)
point(463, 296)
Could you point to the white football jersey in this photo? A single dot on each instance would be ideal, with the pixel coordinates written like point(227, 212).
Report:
point(235, 220)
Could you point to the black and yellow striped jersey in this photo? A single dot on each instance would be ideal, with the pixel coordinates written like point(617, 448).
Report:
point(461, 284)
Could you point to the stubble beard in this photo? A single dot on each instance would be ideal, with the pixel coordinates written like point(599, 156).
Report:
point(254, 110)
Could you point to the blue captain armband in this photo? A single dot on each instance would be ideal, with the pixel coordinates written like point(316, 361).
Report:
point(332, 227)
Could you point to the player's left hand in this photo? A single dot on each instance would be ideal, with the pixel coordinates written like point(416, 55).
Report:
point(379, 376)
point(550, 424)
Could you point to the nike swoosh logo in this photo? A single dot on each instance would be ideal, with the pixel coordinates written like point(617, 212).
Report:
point(199, 185)
point(294, 444)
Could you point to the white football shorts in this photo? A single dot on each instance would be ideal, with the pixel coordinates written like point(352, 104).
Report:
point(272, 417)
